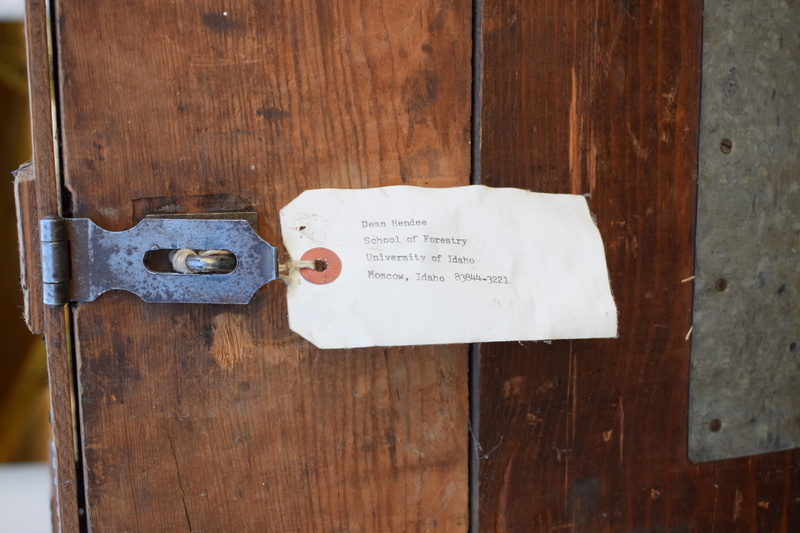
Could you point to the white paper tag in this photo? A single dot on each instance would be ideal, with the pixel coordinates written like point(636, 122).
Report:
point(456, 265)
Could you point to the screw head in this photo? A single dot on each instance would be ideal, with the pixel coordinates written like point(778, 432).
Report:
point(726, 146)
point(720, 285)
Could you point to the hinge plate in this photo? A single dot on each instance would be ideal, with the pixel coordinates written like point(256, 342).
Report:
point(81, 261)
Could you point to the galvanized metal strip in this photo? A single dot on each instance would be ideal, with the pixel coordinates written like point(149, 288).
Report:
point(745, 373)
point(103, 260)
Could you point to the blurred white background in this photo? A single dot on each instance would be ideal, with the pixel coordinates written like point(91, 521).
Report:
point(12, 10)
point(25, 498)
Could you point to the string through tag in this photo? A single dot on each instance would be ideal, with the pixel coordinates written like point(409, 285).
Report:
point(285, 270)
point(188, 261)
point(318, 265)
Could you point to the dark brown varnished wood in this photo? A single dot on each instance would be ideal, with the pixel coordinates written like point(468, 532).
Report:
point(219, 418)
point(602, 99)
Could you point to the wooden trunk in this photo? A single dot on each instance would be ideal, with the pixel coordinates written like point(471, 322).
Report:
point(219, 418)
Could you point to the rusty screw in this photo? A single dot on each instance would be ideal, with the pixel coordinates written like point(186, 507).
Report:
point(715, 425)
point(726, 146)
point(721, 284)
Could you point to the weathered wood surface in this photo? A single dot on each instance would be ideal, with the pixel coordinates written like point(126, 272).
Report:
point(29, 247)
point(602, 98)
point(213, 418)
point(48, 201)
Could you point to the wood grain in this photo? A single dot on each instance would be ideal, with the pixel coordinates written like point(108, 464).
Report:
point(29, 247)
point(602, 98)
point(48, 201)
point(219, 418)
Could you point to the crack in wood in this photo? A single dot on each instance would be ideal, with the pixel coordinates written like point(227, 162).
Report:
point(180, 483)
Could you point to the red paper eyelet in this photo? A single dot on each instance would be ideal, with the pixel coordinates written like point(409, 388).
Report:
point(328, 266)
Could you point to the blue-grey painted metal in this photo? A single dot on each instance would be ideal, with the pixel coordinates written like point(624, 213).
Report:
point(100, 260)
point(745, 373)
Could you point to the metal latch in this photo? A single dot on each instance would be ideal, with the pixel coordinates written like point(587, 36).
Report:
point(81, 261)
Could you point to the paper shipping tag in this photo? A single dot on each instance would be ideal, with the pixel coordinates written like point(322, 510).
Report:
point(456, 265)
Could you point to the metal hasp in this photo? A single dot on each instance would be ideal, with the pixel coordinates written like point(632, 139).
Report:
point(81, 261)
point(745, 370)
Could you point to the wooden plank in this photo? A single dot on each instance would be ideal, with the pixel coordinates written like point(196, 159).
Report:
point(218, 417)
point(40, 90)
point(602, 98)
point(48, 200)
point(29, 247)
